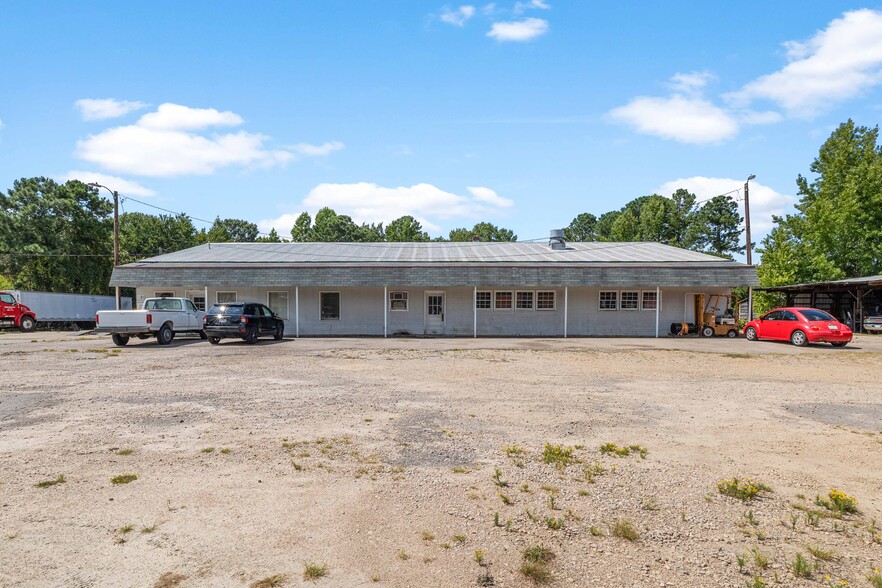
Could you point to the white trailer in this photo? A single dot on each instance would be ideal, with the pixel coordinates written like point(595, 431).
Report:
point(55, 308)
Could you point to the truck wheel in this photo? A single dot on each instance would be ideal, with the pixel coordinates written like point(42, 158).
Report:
point(251, 335)
point(119, 339)
point(280, 332)
point(707, 332)
point(165, 335)
point(27, 324)
point(214, 340)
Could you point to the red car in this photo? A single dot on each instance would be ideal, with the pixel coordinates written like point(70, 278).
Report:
point(800, 326)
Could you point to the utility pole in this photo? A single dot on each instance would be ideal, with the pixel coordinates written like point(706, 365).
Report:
point(749, 244)
point(115, 234)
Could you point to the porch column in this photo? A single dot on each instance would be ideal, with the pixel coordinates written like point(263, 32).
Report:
point(566, 308)
point(657, 305)
point(206, 299)
point(297, 311)
point(475, 312)
point(385, 311)
point(859, 311)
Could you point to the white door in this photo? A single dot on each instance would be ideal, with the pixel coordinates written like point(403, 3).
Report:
point(434, 313)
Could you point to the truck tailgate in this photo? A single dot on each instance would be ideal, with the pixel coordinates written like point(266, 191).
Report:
point(123, 318)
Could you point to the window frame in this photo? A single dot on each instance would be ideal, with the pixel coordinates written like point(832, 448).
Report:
point(217, 294)
point(405, 299)
point(339, 305)
point(615, 300)
point(553, 300)
point(287, 303)
point(622, 300)
point(517, 302)
point(489, 294)
point(496, 306)
point(655, 293)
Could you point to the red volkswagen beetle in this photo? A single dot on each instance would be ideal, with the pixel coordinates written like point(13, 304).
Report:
point(800, 326)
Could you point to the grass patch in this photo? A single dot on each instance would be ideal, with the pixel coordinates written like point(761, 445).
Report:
point(459, 538)
point(514, 450)
point(537, 574)
point(742, 489)
point(169, 580)
point(759, 558)
point(208, 450)
point(270, 581)
point(226, 451)
point(315, 571)
point(875, 579)
point(624, 529)
point(479, 556)
point(402, 555)
point(47, 483)
point(538, 554)
point(558, 455)
point(595, 532)
point(820, 553)
point(801, 567)
point(506, 500)
point(126, 451)
point(624, 451)
point(838, 501)
point(554, 524)
point(427, 535)
point(123, 478)
point(461, 470)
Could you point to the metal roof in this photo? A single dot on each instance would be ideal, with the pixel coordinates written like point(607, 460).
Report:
point(831, 285)
point(409, 254)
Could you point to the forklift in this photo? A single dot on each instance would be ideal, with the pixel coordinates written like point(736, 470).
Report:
point(717, 315)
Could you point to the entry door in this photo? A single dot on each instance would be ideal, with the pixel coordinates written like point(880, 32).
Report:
point(434, 313)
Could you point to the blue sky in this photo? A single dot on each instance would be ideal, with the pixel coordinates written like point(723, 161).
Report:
point(524, 113)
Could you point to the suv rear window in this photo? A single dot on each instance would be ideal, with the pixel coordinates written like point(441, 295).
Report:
point(226, 309)
point(163, 304)
point(816, 315)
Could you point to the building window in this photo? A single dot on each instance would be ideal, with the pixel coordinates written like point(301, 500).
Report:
point(330, 303)
point(226, 297)
point(198, 298)
point(169, 294)
point(608, 300)
point(503, 301)
point(650, 300)
point(278, 303)
point(630, 301)
point(483, 300)
point(524, 300)
point(398, 301)
point(545, 300)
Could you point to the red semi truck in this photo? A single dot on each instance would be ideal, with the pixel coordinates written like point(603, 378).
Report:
point(13, 314)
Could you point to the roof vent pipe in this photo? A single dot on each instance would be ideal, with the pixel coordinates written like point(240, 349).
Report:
point(556, 239)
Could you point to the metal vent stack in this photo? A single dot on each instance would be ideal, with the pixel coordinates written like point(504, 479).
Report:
point(556, 239)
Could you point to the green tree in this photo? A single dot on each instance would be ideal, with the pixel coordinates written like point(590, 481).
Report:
point(272, 237)
point(486, 232)
point(144, 235)
point(232, 230)
point(405, 229)
point(605, 224)
point(582, 228)
point(717, 227)
point(301, 232)
point(56, 237)
point(682, 219)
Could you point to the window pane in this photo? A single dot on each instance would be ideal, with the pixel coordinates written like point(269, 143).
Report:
point(608, 300)
point(503, 300)
point(482, 300)
point(330, 302)
point(226, 297)
point(278, 303)
point(630, 300)
point(524, 301)
point(650, 301)
point(398, 301)
point(545, 300)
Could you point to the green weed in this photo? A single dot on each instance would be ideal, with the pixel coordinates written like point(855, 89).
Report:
point(624, 529)
point(47, 483)
point(314, 571)
point(123, 478)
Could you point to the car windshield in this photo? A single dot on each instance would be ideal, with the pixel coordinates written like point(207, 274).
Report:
point(816, 315)
point(226, 309)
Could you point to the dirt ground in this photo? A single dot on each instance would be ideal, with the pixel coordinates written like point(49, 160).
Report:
point(387, 461)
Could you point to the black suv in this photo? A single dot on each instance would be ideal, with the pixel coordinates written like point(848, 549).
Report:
point(245, 320)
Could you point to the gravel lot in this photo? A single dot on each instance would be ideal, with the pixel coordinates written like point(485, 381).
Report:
point(387, 461)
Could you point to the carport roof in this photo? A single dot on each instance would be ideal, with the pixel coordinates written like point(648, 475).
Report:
point(845, 284)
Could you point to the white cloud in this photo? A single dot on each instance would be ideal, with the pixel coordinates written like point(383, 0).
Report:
point(764, 201)
point(838, 63)
point(459, 16)
point(520, 30)
point(692, 82)
point(368, 202)
point(520, 7)
point(163, 144)
point(174, 117)
point(681, 118)
point(104, 108)
point(124, 187)
point(489, 9)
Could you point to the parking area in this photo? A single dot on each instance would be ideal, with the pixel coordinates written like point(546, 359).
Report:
point(392, 461)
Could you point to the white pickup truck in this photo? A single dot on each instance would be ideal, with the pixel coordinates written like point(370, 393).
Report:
point(162, 318)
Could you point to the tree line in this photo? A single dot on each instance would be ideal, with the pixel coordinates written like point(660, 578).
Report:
point(58, 237)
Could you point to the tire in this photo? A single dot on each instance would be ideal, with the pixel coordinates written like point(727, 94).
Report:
point(119, 339)
point(798, 338)
point(707, 332)
point(27, 324)
point(280, 332)
point(839, 343)
point(202, 335)
point(750, 334)
point(214, 340)
point(165, 335)
point(732, 333)
point(251, 335)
